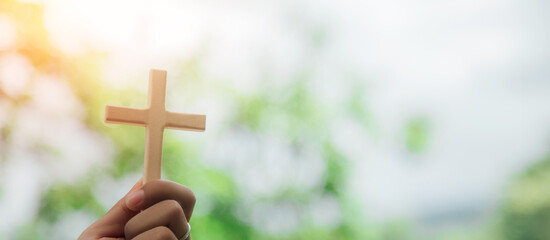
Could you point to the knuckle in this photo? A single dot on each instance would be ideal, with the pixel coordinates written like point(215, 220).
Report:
point(192, 198)
point(188, 195)
point(163, 233)
point(173, 208)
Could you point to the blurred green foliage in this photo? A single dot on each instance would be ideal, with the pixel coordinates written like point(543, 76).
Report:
point(303, 120)
point(288, 111)
point(526, 210)
point(417, 134)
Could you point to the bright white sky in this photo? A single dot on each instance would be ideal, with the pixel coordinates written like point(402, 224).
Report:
point(476, 69)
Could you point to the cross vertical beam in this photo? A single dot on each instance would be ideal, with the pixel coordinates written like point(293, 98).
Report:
point(157, 90)
point(154, 118)
point(153, 153)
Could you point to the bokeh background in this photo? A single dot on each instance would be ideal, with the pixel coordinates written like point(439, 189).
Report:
point(380, 120)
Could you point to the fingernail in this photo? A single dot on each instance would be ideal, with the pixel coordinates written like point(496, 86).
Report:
point(134, 199)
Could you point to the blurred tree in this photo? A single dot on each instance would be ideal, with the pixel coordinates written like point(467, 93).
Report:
point(526, 209)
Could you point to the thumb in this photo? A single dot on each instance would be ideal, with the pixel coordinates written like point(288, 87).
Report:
point(113, 222)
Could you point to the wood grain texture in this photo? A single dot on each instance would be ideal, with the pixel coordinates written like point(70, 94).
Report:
point(154, 118)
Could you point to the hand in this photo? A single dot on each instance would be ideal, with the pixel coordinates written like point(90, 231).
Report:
point(157, 210)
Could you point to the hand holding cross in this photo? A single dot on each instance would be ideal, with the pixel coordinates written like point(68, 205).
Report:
point(154, 118)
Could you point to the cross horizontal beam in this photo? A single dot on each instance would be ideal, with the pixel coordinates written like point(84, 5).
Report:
point(140, 117)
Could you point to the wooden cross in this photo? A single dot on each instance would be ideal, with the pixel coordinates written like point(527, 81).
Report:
point(154, 118)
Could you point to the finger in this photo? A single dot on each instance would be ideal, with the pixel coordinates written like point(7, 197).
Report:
point(158, 233)
point(160, 190)
point(166, 213)
point(112, 223)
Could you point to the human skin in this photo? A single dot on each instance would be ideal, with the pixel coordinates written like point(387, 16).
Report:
point(158, 210)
